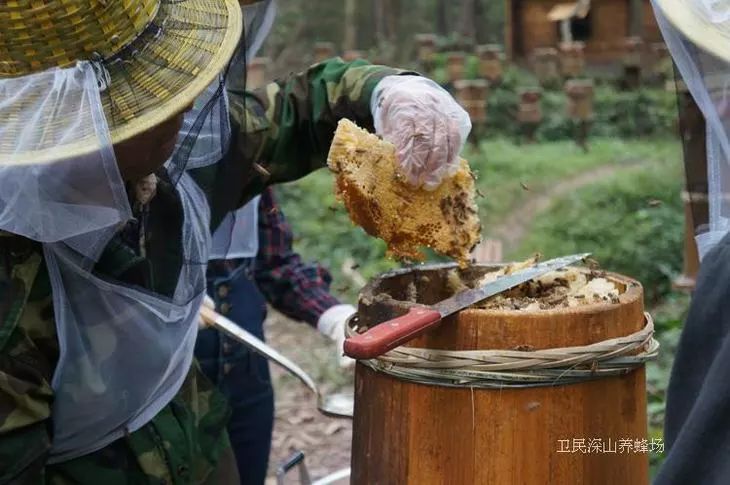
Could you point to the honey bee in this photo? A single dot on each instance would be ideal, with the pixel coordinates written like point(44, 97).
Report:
point(591, 263)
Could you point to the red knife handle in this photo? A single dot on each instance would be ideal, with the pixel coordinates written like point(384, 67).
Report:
point(389, 335)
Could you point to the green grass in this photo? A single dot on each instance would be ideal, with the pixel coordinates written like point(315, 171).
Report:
point(632, 222)
point(503, 167)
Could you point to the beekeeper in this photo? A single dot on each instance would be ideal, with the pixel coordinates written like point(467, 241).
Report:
point(120, 151)
point(697, 423)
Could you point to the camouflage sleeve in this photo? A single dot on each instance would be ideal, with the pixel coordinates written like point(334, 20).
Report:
point(282, 131)
point(25, 375)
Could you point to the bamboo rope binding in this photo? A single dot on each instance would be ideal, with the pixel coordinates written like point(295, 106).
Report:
point(499, 369)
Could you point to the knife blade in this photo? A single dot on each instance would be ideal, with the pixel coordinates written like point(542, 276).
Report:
point(223, 324)
point(393, 333)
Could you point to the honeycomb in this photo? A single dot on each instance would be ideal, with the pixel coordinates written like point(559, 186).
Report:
point(380, 201)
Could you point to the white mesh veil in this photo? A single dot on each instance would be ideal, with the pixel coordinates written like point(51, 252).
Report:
point(237, 235)
point(124, 350)
point(79, 198)
point(708, 79)
point(73, 201)
point(101, 323)
point(258, 20)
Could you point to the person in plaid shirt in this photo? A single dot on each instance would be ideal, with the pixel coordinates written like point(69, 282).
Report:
point(241, 289)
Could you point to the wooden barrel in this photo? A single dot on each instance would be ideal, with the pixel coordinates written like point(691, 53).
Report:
point(324, 51)
point(414, 433)
point(491, 59)
point(472, 96)
point(633, 50)
point(529, 110)
point(426, 45)
point(455, 66)
point(580, 99)
point(353, 55)
point(572, 59)
point(545, 65)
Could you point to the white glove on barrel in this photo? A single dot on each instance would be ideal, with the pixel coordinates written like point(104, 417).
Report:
point(332, 324)
point(426, 125)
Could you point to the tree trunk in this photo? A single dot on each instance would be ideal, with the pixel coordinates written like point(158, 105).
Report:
point(442, 23)
point(392, 16)
point(380, 22)
point(468, 26)
point(350, 24)
point(481, 30)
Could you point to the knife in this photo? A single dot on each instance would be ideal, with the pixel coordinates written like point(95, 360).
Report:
point(393, 333)
point(222, 324)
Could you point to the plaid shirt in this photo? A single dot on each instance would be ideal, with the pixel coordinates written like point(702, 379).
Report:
point(298, 290)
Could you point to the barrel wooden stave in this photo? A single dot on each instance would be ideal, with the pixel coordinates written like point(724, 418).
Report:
point(420, 434)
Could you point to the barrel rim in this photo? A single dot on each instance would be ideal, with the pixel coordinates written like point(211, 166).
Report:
point(634, 292)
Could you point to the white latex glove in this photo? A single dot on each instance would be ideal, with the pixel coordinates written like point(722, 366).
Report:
point(332, 325)
point(426, 125)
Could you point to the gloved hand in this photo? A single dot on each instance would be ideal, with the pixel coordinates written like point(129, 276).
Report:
point(332, 325)
point(426, 125)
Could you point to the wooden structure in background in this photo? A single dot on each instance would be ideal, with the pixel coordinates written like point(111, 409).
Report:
point(426, 50)
point(491, 62)
point(324, 51)
point(529, 112)
point(455, 66)
point(472, 96)
point(696, 208)
point(415, 434)
point(352, 55)
point(580, 99)
point(572, 59)
point(661, 62)
point(580, 108)
point(602, 26)
point(546, 65)
point(633, 62)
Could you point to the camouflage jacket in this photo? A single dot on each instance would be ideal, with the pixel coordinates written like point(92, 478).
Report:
point(280, 133)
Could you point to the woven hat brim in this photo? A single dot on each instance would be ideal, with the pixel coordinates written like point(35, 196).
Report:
point(161, 75)
point(686, 16)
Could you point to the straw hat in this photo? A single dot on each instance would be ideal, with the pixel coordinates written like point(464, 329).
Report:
point(157, 56)
point(693, 18)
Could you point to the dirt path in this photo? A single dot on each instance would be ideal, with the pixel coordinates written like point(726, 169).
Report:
point(298, 425)
point(515, 227)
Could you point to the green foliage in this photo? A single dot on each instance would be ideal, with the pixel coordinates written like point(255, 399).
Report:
point(509, 174)
point(632, 222)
